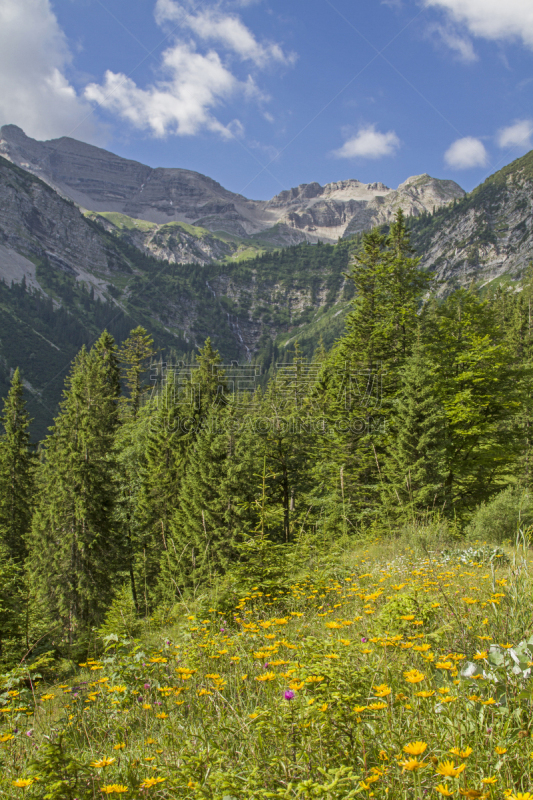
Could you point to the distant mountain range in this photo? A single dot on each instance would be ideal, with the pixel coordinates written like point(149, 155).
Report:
point(89, 240)
point(100, 181)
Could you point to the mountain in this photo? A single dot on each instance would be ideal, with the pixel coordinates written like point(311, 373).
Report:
point(66, 273)
point(65, 278)
point(100, 181)
point(484, 237)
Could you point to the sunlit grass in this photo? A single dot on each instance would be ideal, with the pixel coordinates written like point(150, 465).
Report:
point(398, 674)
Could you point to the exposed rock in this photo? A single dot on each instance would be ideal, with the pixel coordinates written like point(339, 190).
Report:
point(101, 181)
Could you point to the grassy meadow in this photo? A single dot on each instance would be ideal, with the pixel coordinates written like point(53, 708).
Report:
point(396, 668)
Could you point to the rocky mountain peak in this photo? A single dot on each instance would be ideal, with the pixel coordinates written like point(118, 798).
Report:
point(98, 180)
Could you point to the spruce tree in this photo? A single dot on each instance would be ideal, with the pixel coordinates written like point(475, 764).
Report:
point(75, 549)
point(16, 473)
point(213, 506)
point(414, 466)
point(134, 356)
point(361, 374)
point(13, 601)
point(477, 382)
point(181, 411)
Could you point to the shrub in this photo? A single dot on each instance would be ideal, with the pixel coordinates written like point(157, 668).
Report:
point(499, 520)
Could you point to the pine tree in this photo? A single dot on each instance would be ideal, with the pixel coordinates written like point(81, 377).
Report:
point(134, 355)
point(414, 467)
point(182, 409)
point(16, 473)
point(75, 548)
point(12, 609)
point(477, 383)
point(213, 506)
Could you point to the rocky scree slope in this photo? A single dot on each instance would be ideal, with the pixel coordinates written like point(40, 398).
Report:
point(101, 181)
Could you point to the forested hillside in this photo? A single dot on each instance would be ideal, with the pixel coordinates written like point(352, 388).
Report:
point(203, 520)
point(413, 411)
point(66, 279)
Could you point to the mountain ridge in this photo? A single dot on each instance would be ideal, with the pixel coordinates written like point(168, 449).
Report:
point(100, 181)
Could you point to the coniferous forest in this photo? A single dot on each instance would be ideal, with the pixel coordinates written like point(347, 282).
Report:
point(169, 492)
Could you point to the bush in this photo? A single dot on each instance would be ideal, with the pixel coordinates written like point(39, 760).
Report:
point(499, 520)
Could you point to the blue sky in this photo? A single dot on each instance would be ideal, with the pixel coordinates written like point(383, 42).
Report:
point(262, 95)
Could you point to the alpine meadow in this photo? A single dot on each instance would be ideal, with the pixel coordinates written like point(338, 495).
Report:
point(266, 399)
point(317, 586)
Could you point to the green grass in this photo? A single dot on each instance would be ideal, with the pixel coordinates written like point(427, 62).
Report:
point(122, 221)
point(397, 669)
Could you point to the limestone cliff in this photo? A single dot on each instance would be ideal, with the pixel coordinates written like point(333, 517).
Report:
point(101, 181)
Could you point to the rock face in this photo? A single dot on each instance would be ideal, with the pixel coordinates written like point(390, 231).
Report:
point(486, 235)
point(101, 181)
point(38, 228)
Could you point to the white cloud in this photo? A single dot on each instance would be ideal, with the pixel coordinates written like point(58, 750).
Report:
point(34, 91)
point(466, 153)
point(492, 19)
point(460, 45)
point(369, 143)
point(180, 104)
point(226, 29)
point(517, 135)
point(191, 83)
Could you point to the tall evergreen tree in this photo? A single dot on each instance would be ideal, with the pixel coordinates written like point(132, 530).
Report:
point(75, 548)
point(213, 506)
point(476, 382)
point(134, 356)
point(16, 473)
point(414, 466)
point(181, 410)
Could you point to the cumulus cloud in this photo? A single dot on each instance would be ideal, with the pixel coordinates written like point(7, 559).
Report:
point(369, 143)
point(519, 134)
point(226, 29)
point(179, 104)
point(191, 83)
point(492, 19)
point(34, 90)
point(466, 153)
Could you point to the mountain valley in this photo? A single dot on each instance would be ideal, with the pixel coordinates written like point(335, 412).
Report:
point(82, 248)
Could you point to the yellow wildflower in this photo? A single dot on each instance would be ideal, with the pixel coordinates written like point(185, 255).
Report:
point(23, 783)
point(149, 782)
point(443, 790)
point(415, 748)
point(456, 751)
point(104, 762)
point(412, 764)
point(448, 769)
point(414, 676)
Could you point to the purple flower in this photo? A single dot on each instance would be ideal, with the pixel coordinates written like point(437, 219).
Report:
point(146, 685)
point(289, 694)
point(266, 666)
point(30, 732)
point(363, 639)
point(222, 630)
point(139, 699)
